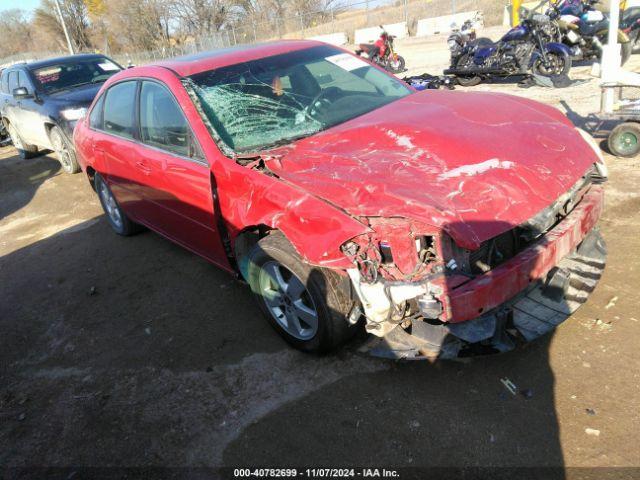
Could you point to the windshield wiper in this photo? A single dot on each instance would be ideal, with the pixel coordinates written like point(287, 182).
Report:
point(285, 141)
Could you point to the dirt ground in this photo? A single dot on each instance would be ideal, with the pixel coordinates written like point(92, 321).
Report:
point(133, 352)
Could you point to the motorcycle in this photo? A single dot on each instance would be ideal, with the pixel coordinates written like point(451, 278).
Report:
point(584, 29)
point(466, 33)
point(382, 53)
point(521, 50)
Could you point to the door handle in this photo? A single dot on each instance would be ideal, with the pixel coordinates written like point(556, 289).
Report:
point(144, 167)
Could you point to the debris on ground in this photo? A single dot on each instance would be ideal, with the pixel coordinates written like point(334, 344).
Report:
point(93, 291)
point(590, 411)
point(147, 331)
point(509, 385)
point(611, 303)
point(592, 431)
point(22, 416)
point(430, 82)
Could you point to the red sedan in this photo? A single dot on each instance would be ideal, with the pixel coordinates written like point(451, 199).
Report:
point(442, 221)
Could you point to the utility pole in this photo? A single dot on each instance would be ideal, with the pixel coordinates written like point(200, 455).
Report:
point(64, 27)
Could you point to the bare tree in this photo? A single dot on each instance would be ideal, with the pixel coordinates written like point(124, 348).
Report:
point(138, 25)
point(201, 17)
point(48, 29)
point(15, 32)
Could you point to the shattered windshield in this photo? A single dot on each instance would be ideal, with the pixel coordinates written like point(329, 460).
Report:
point(274, 100)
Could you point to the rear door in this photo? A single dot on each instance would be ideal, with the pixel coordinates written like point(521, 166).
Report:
point(179, 187)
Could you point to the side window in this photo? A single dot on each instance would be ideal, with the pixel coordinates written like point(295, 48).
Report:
point(13, 81)
point(4, 82)
point(23, 81)
point(162, 123)
point(118, 109)
point(95, 117)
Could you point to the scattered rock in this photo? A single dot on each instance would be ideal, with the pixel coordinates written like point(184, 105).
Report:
point(492, 438)
point(509, 385)
point(611, 303)
point(592, 431)
point(147, 331)
point(586, 364)
point(22, 416)
point(590, 411)
point(414, 424)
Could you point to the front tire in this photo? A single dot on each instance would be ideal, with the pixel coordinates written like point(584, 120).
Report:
point(64, 151)
point(559, 64)
point(118, 220)
point(624, 140)
point(397, 66)
point(306, 305)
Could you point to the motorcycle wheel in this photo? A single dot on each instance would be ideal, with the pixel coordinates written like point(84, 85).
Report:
point(558, 65)
point(466, 80)
point(397, 66)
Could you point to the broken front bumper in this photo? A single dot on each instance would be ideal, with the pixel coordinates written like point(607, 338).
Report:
point(520, 300)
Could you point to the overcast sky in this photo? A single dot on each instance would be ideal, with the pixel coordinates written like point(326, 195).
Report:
point(28, 5)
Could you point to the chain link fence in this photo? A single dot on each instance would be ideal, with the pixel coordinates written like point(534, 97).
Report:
point(347, 17)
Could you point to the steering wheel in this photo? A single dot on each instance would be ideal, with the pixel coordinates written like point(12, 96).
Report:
point(319, 103)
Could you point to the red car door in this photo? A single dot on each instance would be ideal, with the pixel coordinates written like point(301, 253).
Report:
point(178, 187)
point(119, 147)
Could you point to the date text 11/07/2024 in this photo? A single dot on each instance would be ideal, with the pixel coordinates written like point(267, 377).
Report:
point(315, 473)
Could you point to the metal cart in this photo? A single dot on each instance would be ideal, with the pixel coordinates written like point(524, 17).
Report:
point(624, 139)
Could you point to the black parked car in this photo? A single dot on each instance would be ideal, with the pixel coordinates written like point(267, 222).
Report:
point(40, 102)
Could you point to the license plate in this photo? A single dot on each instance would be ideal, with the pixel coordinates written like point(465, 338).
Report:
point(572, 36)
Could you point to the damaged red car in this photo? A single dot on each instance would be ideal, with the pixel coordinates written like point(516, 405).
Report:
point(445, 222)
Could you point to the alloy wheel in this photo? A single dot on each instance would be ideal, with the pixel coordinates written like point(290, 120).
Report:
point(110, 205)
point(288, 301)
point(62, 151)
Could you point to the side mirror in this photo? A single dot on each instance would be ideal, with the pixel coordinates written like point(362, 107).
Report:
point(20, 93)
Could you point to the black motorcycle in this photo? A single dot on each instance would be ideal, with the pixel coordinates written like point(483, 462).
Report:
point(521, 50)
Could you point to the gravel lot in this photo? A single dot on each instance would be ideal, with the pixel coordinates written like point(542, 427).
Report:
point(133, 352)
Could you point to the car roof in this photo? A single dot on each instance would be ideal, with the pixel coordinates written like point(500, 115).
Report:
point(62, 60)
point(210, 60)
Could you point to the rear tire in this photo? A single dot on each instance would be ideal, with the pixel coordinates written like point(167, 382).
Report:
point(624, 140)
point(65, 152)
point(467, 80)
point(25, 150)
point(308, 306)
point(116, 217)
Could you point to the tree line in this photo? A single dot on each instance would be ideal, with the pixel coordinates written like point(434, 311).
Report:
point(132, 25)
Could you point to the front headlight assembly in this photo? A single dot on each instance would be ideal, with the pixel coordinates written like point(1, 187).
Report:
point(72, 114)
point(600, 165)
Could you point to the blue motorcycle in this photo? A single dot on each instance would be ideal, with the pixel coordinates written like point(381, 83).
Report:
point(522, 50)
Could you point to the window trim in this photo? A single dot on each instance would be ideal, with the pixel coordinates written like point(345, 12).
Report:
point(200, 159)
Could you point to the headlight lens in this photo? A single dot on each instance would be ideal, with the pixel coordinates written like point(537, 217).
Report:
point(73, 113)
point(600, 165)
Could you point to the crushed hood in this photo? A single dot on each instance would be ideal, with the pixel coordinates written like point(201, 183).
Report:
point(473, 164)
